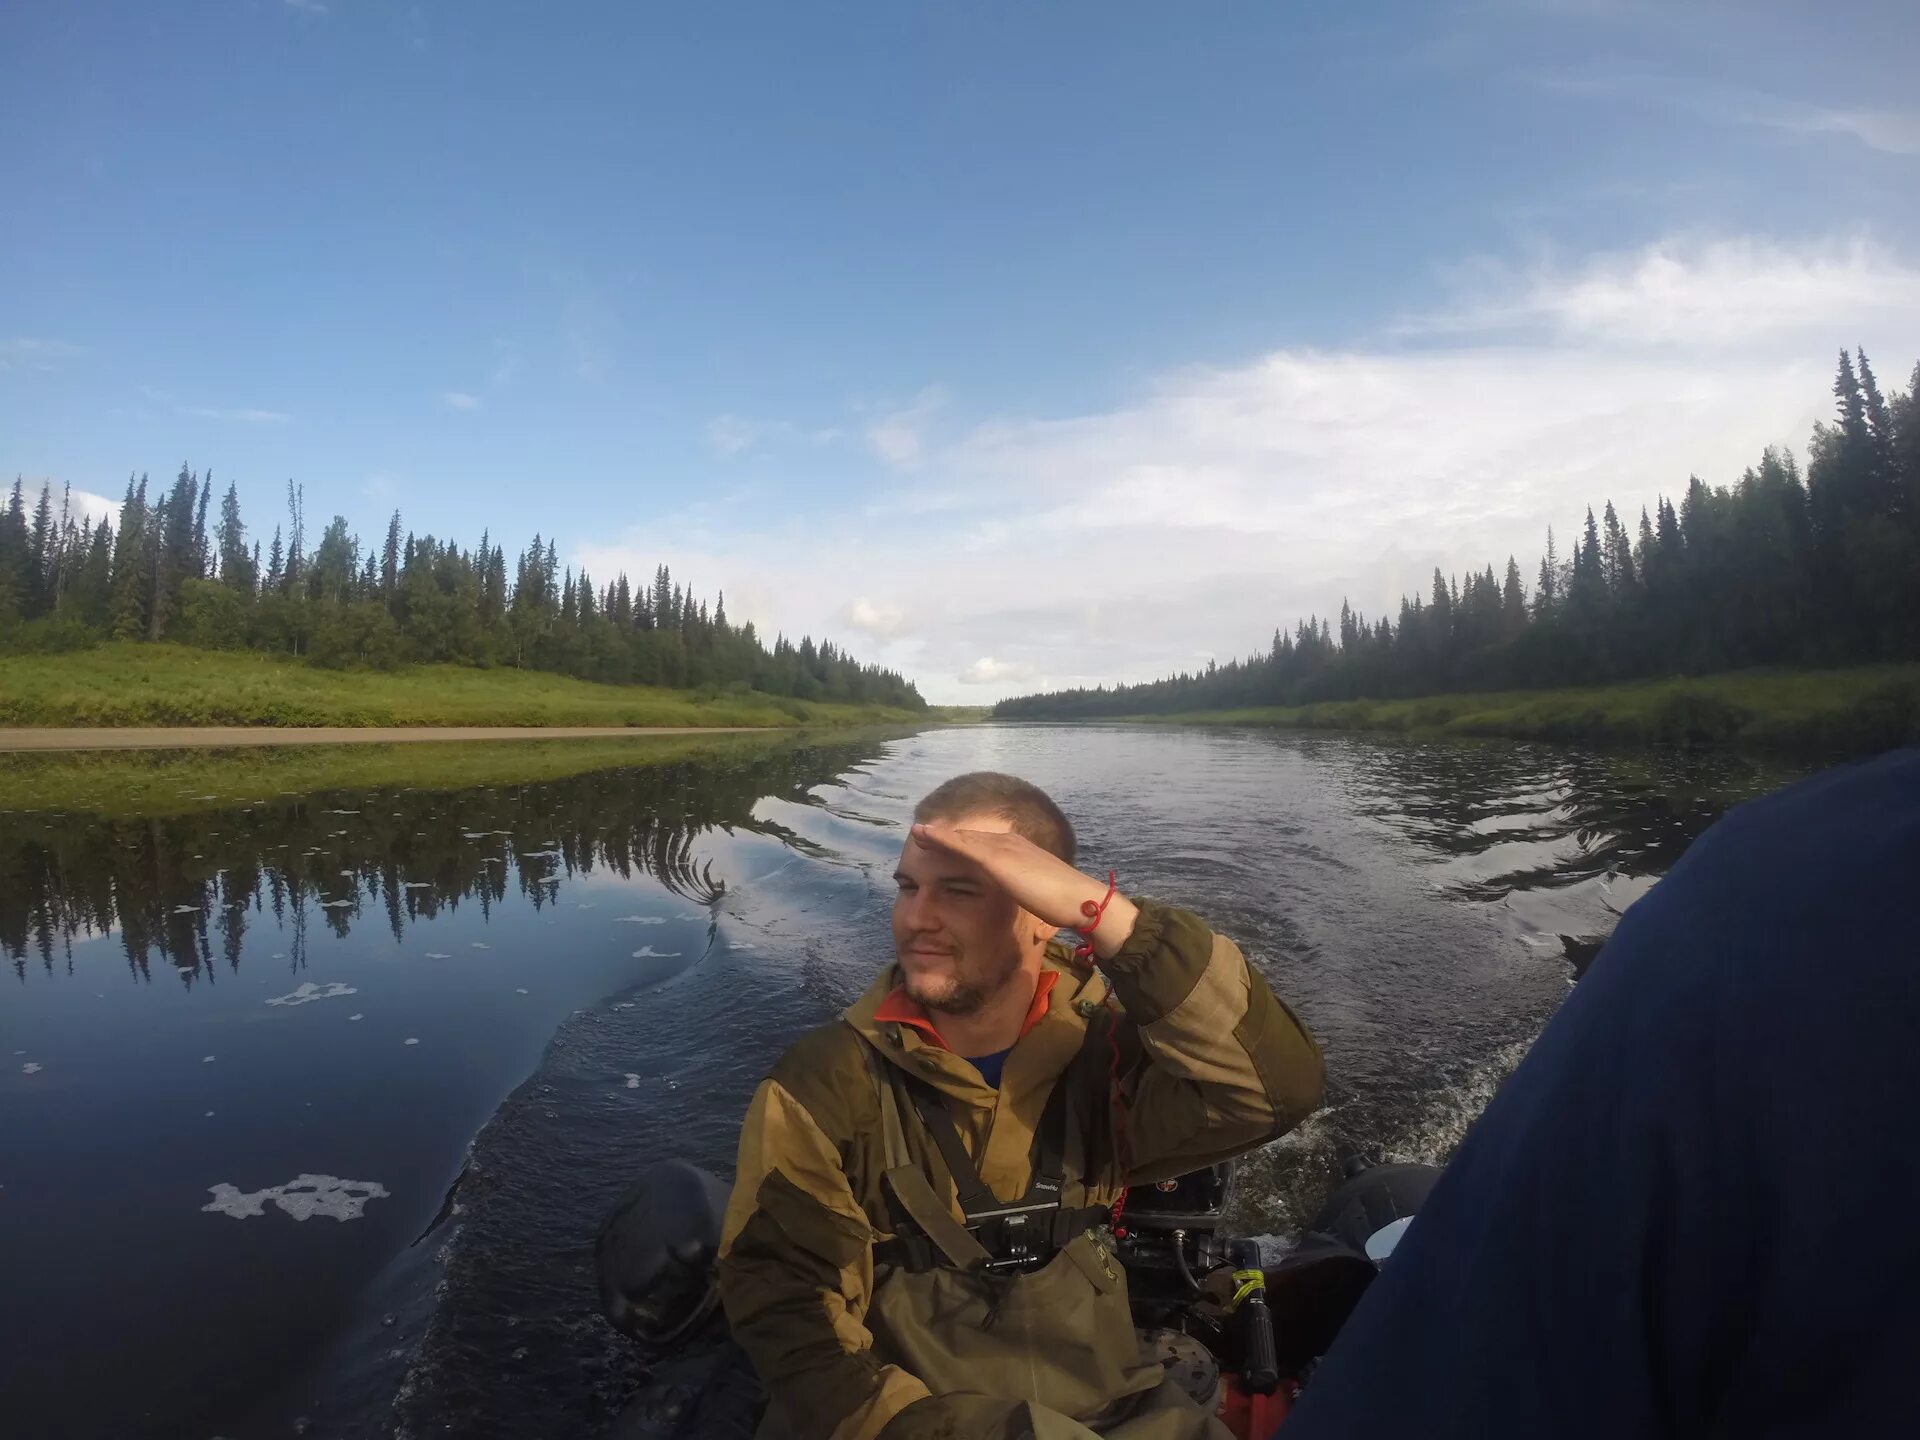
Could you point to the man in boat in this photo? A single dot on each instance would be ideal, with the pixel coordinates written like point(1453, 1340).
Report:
point(914, 1247)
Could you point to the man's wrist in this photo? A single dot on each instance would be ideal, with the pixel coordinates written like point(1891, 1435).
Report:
point(1115, 927)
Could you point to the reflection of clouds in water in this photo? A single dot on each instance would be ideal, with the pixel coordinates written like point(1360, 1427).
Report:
point(641, 920)
point(308, 991)
point(647, 952)
point(438, 955)
point(302, 1197)
point(633, 1082)
point(31, 1068)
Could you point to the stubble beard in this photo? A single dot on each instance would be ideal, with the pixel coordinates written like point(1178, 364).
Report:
point(952, 995)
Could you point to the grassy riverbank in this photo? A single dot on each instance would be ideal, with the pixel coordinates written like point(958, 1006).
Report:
point(127, 684)
point(161, 783)
point(1841, 711)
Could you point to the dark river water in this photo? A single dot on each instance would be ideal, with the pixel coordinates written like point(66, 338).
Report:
point(309, 1107)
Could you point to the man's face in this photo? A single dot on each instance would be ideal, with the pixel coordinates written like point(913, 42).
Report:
point(959, 936)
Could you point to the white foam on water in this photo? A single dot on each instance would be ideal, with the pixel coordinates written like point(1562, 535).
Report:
point(418, 885)
point(349, 873)
point(740, 945)
point(338, 905)
point(410, 1040)
point(209, 1114)
point(356, 1017)
point(438, 955)
point(481, 945)
point(647, 952)
point(518, 991)
point(302, 1197)
point(633, 1082)
point(640, 920)
point(589, 905)
point(309, 992)
point(206, 1059)
point(278, 955)
point(186, 909)
point(31, 1068)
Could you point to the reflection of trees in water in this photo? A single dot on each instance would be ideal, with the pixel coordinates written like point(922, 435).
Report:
point(188, 888)
point(1631, 813)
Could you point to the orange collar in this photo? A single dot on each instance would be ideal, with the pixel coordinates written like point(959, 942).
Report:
point(902, 1009)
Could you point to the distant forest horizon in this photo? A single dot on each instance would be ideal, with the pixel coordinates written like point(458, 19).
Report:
point(163, 574)
point(1780, 568)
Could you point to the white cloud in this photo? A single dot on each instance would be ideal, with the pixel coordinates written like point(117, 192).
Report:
point(989, 671)
point(459, 400)
point(24, 352)
point(89, 506)
point(245, 417)
point(1190, 520)
point(1691, 293)
point(883, 622)
point(899, 436)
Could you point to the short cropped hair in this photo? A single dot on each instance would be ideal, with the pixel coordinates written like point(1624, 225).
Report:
point(1028, 808)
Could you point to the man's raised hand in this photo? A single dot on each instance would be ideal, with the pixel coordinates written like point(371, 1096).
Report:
point(1041, 883)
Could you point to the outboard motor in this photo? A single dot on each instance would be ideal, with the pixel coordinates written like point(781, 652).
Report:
point(655, 1253)
point(1373, 1206)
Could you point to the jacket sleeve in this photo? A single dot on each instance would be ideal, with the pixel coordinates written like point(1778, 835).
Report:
point(1226, 1066)
point(796, 1273)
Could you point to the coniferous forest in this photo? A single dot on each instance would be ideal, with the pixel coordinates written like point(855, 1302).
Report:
point(173, 572)
point(1781, 568)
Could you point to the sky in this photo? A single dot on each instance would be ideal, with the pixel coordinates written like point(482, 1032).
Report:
point(1011, 346)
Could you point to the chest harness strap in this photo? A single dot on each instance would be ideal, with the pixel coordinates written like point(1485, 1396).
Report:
point(997, 1235)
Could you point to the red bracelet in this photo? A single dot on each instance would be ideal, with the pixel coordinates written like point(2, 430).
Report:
point(1093, 913)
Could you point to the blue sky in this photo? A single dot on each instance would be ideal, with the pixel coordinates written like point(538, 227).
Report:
point(1014, 345)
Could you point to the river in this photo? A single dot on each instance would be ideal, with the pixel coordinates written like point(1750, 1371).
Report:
point(311, 1104)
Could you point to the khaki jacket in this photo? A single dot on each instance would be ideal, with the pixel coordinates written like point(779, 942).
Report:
point(1210, 1065)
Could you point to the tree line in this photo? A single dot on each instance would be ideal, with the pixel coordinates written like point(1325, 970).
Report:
point(166, 573)
point(1820, 568)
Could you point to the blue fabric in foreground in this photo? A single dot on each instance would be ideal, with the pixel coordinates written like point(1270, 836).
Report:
point(990, 1066)
point(1694, 1209)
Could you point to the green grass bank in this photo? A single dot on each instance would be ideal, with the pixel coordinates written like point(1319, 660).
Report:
point(1854, 711)
point(127, 684)
point(128, 784)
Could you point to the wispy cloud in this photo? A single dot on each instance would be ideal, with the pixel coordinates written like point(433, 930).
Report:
point(24, 352)
point(730, 435)
point(899, 436)
point(459, 400)
point(1891, 131)
point(1221, 501)
point(243, 416)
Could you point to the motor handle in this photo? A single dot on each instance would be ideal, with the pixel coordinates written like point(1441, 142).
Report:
point(1253, 1321)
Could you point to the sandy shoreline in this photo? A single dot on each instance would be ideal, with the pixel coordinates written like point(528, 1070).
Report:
point(187, 737)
